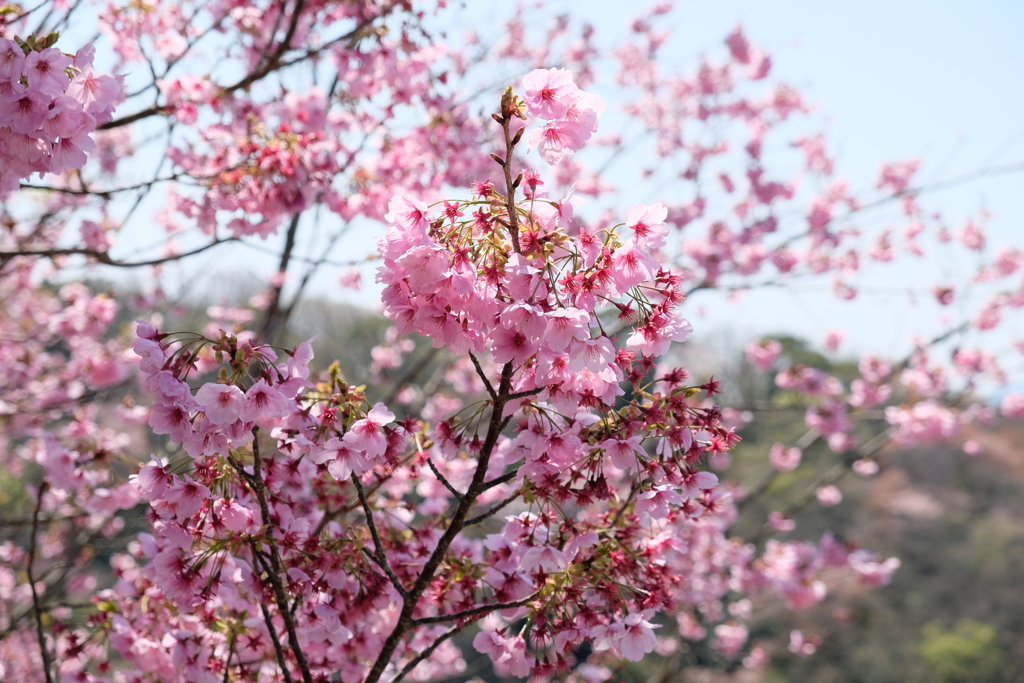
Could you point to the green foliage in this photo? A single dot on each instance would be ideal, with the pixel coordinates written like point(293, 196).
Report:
point(967, 653)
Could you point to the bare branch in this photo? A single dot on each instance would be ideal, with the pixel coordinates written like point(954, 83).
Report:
point(443, 479)
point(494, 510)
point(37, 608)
point(278, 650)
point(483, 376)
point(104, 258)
point(407, 669)
point(474, 611)
point(378, 555)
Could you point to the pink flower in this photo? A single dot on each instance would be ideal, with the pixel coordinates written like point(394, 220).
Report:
point(801, 645)
point(784, 459)
point(151, 353)
point(12, 60)
point(94, 236)
point(779, 522)
point(367, 435)
point(648, 224)
point(507, 654)
point(408, 213)
point(511, 346)
point(222, 403)
point(763, 354)
point(543, 558)
point(865, 467)
point(565, 325)
point(624, 452)
point(549, 92)
point(656, 502)
point(738, 45)
point(829, 496)
point(45, 71)
point(233, 516)
point(24, 112)
point(172, 419)
point(342, 461)
point(153, 479)
point(634, 636)
point(187, 496)
point(558, 138)
point(1013, 405)
point(592, 354)
point(730, 638)
point(97, 92)
point(70, 152)
point(632, 265)
point(872, 572)
point(264, 401)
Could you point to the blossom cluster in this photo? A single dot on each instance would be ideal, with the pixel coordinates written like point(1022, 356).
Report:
point(570, 113)
point(50, 103)
point(557, 488)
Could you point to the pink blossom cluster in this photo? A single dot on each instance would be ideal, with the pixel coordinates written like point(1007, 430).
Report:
point(50, 103)
point(570, 113)
point(553, 491)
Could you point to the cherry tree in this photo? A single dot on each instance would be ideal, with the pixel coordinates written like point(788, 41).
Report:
point(555, 488)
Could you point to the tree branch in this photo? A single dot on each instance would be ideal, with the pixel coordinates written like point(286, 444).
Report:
point(483, 376)
point(443, 479)
point(278, 650)
point(430, 567)
point(104, 258)
point(407, 669)
point(494, 510)
point(473, 611)
point(274, 575)
point(36, 604)
point(379, 557)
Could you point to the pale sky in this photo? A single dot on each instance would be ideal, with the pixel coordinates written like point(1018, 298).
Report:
point(938, 80)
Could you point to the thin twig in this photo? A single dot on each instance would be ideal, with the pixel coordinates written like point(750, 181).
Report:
point(407, 669)
point(104, 258)
point(473, 611)
point(379, 557)
point(443, 479)
point(494, 510)
point(483, 376)
point(257, 557)
point(455, 526)
point(274, 575)
point(36, 605)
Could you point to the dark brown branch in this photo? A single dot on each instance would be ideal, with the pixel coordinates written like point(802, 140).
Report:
point(455, 526)
point(524, 394)
point(273, 317)
point(503, 479)
point(407, 669)
point(352, 37)
point(378, 555)
point(443, 479)
point(493, 511)
point(473, 611)
point(483, 376)
point(506, 167)
point(104, 258)
point(37, 608)
point(274, 575)
point(278, 650)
